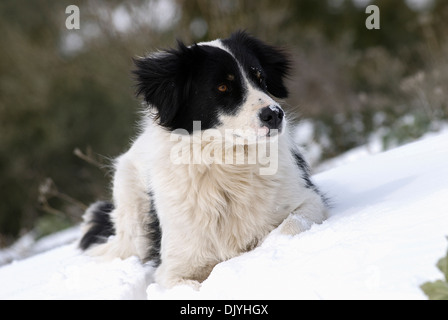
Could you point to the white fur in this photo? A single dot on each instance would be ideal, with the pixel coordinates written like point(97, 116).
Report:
point(208, 212)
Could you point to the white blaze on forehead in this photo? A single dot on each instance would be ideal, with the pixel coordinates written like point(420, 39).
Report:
point(217, 44)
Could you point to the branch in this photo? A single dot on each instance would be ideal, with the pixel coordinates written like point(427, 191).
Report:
point(48, 190)
point(90, 158)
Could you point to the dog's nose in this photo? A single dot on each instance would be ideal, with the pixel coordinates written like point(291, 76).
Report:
point(272, 116)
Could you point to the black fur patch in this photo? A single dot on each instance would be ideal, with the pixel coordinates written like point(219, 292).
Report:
point(304, 168)
point(306, 175)
point(154, 235)
point(260, 59)
point(182, 85)
point(100, 225)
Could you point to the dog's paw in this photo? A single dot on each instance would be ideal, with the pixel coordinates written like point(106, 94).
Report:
point(294, 224)
point(168, 280)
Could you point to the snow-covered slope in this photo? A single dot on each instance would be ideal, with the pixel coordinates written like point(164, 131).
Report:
point(385, 234)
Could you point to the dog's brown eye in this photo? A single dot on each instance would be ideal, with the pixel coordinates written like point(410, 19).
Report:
point(223, 88)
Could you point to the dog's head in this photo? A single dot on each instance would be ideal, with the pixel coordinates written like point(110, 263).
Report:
point(225, 84)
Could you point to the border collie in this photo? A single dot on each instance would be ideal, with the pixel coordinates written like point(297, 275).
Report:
point(213, 170)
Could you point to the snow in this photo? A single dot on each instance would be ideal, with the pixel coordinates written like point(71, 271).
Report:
point(27, 245)
point(386, 231)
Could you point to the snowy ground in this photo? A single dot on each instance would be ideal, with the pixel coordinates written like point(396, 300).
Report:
point(387, 230)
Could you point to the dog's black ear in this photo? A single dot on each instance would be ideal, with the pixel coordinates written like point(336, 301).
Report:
point(163, 81)
point(274, 60)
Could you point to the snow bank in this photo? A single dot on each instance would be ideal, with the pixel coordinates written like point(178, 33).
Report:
point(385, 234)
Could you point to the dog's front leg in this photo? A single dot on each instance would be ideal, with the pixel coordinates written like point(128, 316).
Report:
point(130, 216)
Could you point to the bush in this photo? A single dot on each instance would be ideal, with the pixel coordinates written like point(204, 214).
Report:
point(438, 290)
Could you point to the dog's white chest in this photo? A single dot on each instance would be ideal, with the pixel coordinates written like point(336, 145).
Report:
point(221, 209)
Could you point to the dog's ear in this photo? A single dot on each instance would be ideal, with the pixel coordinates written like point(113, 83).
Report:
point(163, 81)
point(274, 60)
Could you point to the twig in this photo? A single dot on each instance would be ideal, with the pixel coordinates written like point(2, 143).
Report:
point(48, 190)
point(89, 157)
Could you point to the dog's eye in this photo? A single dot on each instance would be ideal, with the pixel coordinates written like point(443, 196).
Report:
point(223, 88)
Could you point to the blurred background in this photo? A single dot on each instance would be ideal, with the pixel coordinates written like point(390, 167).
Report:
point(67, 102)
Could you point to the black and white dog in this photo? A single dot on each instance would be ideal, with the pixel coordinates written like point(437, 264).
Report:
point(213, 171)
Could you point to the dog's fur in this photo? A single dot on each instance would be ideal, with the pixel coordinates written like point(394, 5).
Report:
point(189, 216)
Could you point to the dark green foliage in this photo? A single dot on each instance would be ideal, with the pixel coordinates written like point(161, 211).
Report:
point(438, 290)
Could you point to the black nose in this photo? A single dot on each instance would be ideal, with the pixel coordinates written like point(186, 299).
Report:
point(272, 116)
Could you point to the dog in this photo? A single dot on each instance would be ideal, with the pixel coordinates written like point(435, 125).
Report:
point(214, 169)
